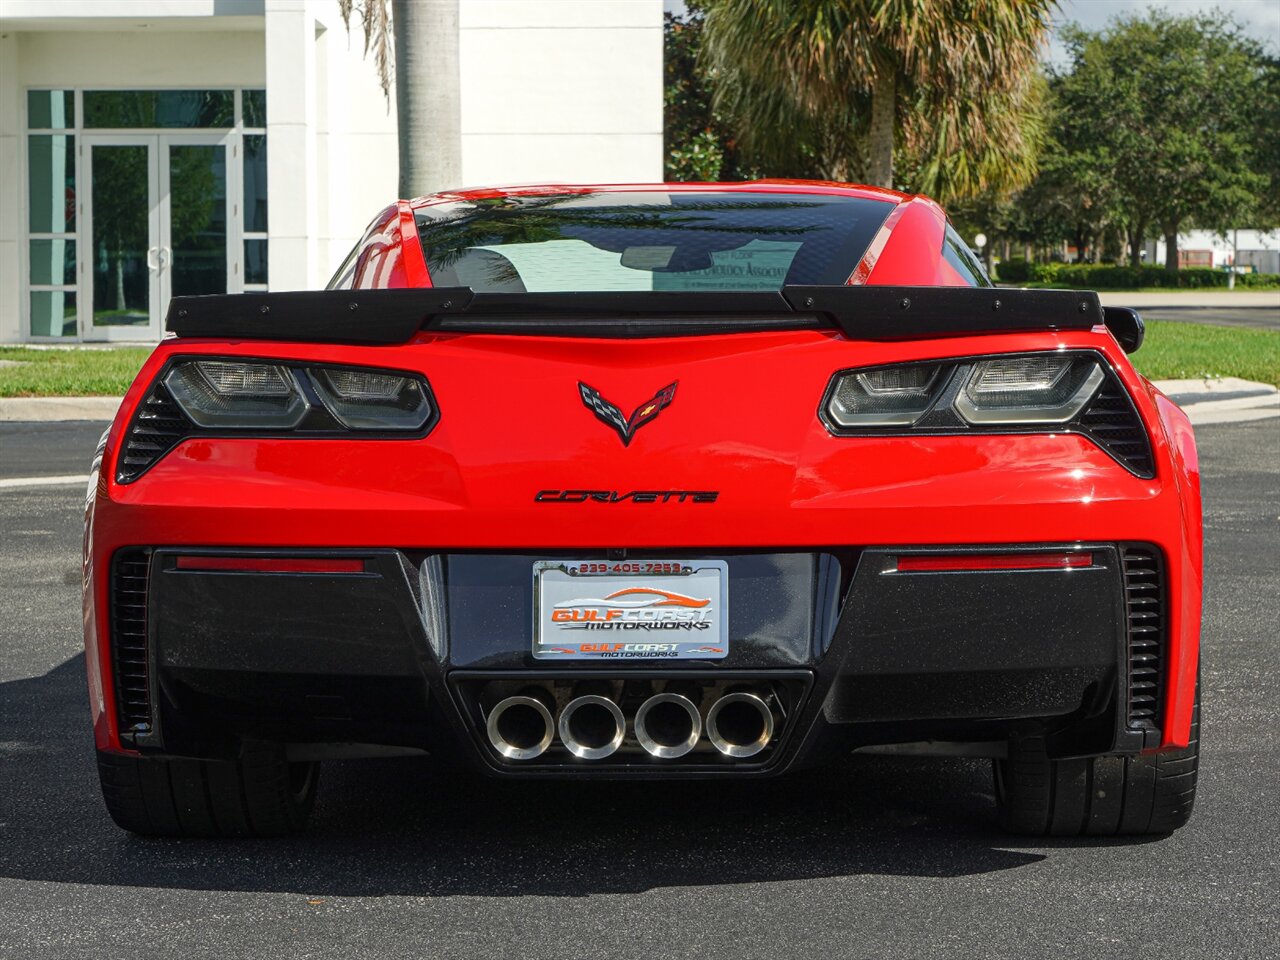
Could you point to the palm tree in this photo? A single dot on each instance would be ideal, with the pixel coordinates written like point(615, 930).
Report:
point(835, 84)
point(415, 44)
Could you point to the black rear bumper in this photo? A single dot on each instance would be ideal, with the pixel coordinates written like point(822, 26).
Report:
point(396, 656)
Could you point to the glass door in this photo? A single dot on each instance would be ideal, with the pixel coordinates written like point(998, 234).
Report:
point(157, 222)
point(196, 247)
point(122, 230)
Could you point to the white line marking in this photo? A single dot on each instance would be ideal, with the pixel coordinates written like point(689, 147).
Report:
point(1233, 416)
point(11, 483)
point(1255, 402)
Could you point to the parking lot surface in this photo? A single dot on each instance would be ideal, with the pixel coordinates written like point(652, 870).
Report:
point(882, 857)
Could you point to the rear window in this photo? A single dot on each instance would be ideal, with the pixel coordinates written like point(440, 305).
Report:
point(646, 241)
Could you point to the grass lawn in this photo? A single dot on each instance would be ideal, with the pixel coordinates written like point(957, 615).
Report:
point(1177, 351)
point(1103, 291)
point(69, 373)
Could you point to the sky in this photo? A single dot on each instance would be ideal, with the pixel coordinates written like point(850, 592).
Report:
point(1261, 18)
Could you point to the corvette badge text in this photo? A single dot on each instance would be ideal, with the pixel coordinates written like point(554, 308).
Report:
point(631, 496)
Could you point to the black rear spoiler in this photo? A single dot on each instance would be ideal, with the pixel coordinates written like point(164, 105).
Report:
point(861, 312)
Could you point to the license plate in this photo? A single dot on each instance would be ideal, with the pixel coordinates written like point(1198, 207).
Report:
point(630, 609)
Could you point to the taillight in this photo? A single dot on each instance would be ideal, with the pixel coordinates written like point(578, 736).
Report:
point(236, 395)
point(1062, 391)
point(262, 398)
point(886, 396)
point(369, 400)
point(1037, 389)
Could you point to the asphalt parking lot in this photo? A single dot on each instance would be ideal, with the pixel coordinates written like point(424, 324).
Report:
point(880, 858)
point(1259, 318)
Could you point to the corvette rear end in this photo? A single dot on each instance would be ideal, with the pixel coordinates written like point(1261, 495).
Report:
point(713, 481)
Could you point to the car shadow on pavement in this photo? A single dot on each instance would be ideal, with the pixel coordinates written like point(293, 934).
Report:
point(419, 827)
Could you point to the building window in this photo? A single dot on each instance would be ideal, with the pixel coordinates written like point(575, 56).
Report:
point(253, 120)
point(51, 219)
point(50, 109)
point(51, 191)
point(255, 263)
point(255, 108)
point(53, 262)
point(255, 183)
point(53, 313)
point(158, 109)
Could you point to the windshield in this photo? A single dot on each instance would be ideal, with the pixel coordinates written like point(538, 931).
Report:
point(646, 241)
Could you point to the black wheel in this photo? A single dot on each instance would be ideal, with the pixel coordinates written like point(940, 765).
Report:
point(259, 795)
point(1101, 796)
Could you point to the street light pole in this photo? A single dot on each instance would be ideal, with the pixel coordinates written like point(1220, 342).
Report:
point(1235, 255)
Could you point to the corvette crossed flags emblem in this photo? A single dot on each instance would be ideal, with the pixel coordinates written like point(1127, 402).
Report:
point(611, 415)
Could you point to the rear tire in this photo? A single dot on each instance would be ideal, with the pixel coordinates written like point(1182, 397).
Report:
point(1099, 796)
point(259, 795)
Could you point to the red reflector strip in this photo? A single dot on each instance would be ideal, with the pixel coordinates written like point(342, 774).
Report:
point(994, 561)
point(272, 564)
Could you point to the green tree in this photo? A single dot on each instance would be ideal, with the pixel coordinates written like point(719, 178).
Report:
point(415, 46)
point(838, 88)
point(697, 145)
point(1076, 186)
point(1267, 143)
point(1156, 120)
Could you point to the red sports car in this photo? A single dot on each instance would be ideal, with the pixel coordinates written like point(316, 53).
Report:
point(696, 480)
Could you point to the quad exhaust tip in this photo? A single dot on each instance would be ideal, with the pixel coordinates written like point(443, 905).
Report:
point(521, 727)
point(668, 725)
point(592, 727)
point(740, 724)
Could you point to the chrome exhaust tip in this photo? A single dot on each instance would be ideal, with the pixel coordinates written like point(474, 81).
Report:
point(740, 724)
point(521, 727)
point(668, 725)
point(592, 727)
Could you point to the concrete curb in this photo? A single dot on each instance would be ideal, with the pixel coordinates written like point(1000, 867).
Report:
point(53, 409)
point(1185, 392)
point(1239, 299)
point(1225, 400)
point(1189, 299)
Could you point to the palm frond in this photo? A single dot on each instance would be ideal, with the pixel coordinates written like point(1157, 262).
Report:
point(375, 27)
point(795, 78)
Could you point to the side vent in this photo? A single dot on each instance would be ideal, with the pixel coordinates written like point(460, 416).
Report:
point(157, 427)
point(1111, 420)
point(129, 574)
point(1144, 595)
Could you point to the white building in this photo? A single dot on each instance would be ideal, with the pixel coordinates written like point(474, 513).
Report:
point(151, 148)
point(1258, 250)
